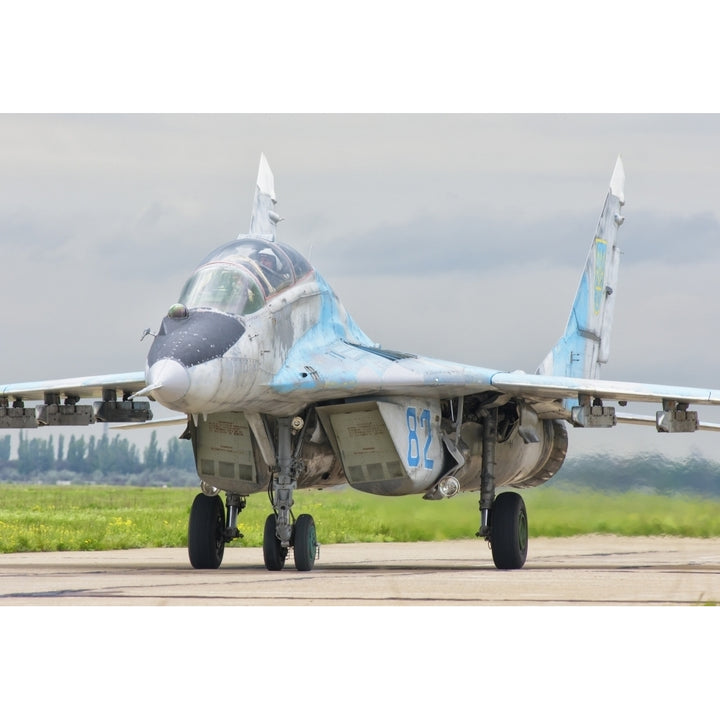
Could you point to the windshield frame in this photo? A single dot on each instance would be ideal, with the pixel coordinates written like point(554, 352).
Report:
point(265, 266)
point(247, 252)
point(225, 287)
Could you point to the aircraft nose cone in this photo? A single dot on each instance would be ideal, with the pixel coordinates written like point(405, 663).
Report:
point(172, 379)
point(196, 337)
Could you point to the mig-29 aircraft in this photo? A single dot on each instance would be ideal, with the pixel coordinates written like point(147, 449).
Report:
point(281, 390)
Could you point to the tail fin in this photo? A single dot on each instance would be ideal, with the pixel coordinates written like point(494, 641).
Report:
point(264, 218)
point(585, 346)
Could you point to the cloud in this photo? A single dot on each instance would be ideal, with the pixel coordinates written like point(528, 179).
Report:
point(471, 244)
point(676, 239)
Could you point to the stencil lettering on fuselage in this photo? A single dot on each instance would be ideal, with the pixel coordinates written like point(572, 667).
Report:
point(225, 454)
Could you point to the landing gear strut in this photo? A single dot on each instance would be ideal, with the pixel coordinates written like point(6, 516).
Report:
point(281, 531)
point(503, 519)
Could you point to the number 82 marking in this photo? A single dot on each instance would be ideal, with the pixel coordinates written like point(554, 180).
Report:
point(423, 424)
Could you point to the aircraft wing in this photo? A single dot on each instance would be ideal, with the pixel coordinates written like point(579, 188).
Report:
point(81, 387)
point(348, 369)
point(61, 401)
point(544, 387)
point(580, 400)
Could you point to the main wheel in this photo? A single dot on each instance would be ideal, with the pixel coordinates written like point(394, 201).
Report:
point(305, 543)
point(509, 531)
point(274, 553)
point(206, 532)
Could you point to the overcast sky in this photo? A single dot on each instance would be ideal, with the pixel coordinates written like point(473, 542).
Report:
point(456, 236)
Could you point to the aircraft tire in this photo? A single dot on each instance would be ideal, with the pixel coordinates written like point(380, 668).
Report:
point(305, 543)
point(509, 531)
point(274, 553)
point(206, 532)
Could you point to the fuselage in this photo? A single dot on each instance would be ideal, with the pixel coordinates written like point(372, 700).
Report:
point(258, 332)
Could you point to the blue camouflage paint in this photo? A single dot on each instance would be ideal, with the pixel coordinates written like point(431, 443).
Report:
point(569, 353)
point(334, 324)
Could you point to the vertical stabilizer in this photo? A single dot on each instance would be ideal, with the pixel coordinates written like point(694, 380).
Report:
point(264, 218)
point(585, 346)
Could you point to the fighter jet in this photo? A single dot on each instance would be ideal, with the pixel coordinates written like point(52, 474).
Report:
point(279, 389)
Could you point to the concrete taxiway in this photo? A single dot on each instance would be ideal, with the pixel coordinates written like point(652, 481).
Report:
point(587, 570)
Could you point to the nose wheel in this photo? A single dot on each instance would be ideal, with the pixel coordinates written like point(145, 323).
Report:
point(274, 553)
point(303, 541)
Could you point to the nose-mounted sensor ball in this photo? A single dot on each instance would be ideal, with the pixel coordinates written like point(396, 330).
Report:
point(177, 311)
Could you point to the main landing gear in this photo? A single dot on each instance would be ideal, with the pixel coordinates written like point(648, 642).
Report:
point(504, 522)
point(208, 530)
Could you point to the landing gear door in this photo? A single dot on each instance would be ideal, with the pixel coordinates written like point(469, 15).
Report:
point(387, 446)
point(224, 453)
point(414, 425)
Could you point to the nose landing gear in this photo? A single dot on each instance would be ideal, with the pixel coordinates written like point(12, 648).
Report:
point(281, 532)
point(303, 541)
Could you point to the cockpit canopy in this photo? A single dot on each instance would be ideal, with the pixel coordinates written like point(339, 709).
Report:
point(238, 277)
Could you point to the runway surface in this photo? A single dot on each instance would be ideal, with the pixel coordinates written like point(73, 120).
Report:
point(586, 570)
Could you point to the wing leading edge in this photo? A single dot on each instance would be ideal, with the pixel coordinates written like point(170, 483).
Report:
point(546, 387)
point(80, 387)
point(552, 396)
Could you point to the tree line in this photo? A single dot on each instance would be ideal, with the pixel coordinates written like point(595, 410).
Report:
point(104, 459)
point(654, 474)
point(114, 460)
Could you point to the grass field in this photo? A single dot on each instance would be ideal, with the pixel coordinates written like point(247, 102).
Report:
point(40, 518)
